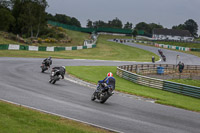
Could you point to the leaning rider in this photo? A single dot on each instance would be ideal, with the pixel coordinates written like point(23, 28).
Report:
point(59, 71)
point(47, 61)
point(109, 81)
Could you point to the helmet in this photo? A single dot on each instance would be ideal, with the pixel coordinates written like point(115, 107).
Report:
point(49, 57)
point(110, 74)
point(63, 67)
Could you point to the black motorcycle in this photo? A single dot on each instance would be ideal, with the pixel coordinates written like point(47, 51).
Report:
point(102, 94)
point(164, 58)
point(44, 67)
point(54, 76)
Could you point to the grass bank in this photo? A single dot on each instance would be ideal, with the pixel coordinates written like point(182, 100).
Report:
point(187, 52)
point(17, 119)
point(182, 44)
point(104, 51)
point(94, 73)
point(77, 39)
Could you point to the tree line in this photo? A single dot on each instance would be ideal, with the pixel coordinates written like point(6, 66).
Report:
point(147, 29)
point(29, 18)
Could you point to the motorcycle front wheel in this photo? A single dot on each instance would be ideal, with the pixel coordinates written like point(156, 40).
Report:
point(104, 98)
point(93, 97)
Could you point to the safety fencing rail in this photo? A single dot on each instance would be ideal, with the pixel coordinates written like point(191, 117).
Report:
point(146, 69)
point(42, 48)
point(126, 73)
point(90, 30)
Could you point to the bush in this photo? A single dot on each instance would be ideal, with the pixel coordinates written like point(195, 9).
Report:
point(60, 29)
point(61, 35)
point(39, 40)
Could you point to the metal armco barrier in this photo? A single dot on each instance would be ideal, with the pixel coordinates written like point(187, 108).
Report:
point(126, 72)
point(182, 89)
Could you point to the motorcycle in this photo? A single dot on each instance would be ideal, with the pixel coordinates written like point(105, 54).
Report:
point(164, 58)
point(44, 67)
point(54, 77)
point(103, 94)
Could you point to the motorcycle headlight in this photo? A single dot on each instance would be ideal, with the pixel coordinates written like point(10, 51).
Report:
point(52, 73)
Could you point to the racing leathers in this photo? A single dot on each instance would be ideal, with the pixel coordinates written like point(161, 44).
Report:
point(59, 71)
point(47, 62)
point(104, 84)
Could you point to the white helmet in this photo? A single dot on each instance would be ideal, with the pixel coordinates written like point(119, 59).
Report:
point(110, 74)
point(63, 67)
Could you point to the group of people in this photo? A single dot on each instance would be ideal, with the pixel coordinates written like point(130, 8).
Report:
point(109, 81)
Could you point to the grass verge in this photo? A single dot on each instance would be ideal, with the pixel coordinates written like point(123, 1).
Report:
point(104, 51)
point(17, 119)
point(182, 44)
point(94, 73)
point(187, 52)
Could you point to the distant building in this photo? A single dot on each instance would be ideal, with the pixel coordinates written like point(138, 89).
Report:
point(172, 34)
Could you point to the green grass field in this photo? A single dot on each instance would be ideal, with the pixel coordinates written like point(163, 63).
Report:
point(94, 73)
point(18, 119)
point(104, 51)
point(189, 45)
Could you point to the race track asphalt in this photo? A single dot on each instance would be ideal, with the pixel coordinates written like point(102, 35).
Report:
point(22, 82)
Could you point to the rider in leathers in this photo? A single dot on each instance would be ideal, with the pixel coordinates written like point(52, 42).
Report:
point(109, 81)
point(59, 71)
point(47, 62)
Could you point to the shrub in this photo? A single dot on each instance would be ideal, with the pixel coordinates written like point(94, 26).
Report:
point(39, 40)
point(61, 35)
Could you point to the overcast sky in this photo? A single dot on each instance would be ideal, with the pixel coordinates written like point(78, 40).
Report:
point(165, 12)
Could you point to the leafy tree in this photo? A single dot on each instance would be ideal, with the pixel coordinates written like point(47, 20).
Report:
point(192, 26)
point(189, 25)
point(154, 26)
point(50, 17)
point(143, 26)
point(30, 16)
point(179, 27)
point(134, 33)
point(6, 19)
point(99, 23)
point(147, 28)
point(62, 18)
point(89, 24)
point(75, 22)
point(128, 26)
point(115, 23)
